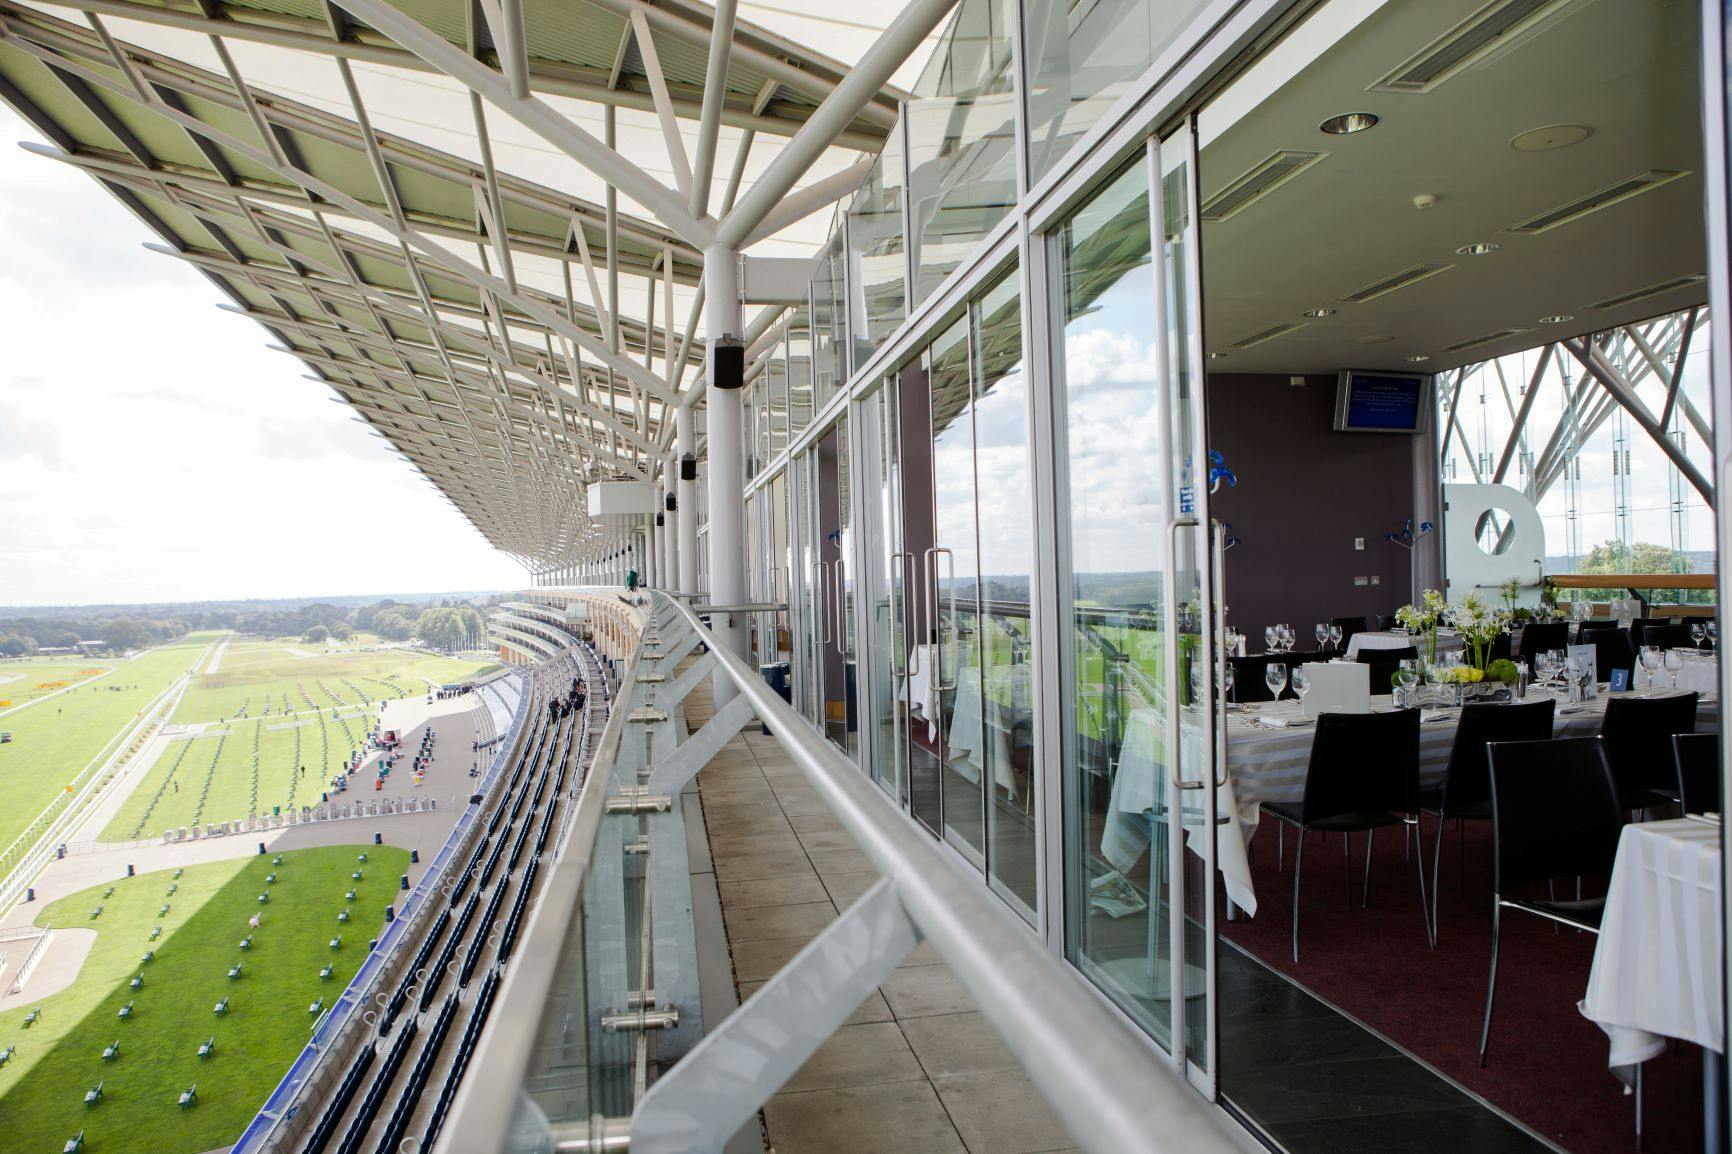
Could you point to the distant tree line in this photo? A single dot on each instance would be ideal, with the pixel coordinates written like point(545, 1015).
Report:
point(449, 623)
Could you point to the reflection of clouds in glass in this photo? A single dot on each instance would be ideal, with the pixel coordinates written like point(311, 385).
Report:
point(1115, 463)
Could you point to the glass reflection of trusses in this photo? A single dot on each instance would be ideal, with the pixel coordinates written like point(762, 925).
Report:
point(1609, 434)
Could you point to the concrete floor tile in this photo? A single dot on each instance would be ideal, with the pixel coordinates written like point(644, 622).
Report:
point(844, 888)
point(737, 843)
point(873, 1009)
point(839, 861)
point(922, 991)
point(758, 961)
point(826, 840)
point(745, 893)
point(768, 864)
point(952, 1044)
point(1000, 1112)
point(815, 823)
point(863, 1055)
point(892, 1118)
point(758, 923)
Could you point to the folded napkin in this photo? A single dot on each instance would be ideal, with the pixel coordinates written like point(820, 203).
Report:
point(1285, 722)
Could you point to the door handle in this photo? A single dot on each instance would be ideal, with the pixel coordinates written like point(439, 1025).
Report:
point(841, 608)
point(955, 624)
point(897, 619)
point(1218, 636)
point(820, 619)
point(1170, 585)
point(912, 571)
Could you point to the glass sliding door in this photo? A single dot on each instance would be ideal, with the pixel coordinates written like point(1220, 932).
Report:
point(1004, 506)
point(949, 568)
point(887, 576)
point(803, 586)
point(832, 526)
point(1136, 739)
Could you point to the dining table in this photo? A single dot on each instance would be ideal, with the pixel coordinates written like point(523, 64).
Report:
point(1268, 753)
point(1448, 641)
point(1658, 962)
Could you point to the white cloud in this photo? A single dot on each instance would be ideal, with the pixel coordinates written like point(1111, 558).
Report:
point(152, 447)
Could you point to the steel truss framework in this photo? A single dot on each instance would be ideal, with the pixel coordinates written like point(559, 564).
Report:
point(1638, 369)
point(401, 276)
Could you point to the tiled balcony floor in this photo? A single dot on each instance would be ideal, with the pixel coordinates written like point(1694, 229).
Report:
point(916, 1069)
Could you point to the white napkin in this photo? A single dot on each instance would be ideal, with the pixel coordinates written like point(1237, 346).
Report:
point(1277, 721)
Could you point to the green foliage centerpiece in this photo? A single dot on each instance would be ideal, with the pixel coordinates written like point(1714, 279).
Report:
point(1421, 622)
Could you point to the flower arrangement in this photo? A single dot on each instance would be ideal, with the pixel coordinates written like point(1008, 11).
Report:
point(1479, 624)
point(1509, 591)
point(1421, 621)
point(1503, 670)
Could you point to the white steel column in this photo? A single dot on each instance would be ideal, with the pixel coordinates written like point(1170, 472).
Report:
point(727, 479)
point(686, 444)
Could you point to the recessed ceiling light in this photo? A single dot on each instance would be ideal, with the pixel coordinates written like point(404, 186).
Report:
point(1318, 313)
point(1418, 358)
point(1478, 248)
point(1556, 319)
point(1550, 138)
point(1348, 122)
point(1216, 356)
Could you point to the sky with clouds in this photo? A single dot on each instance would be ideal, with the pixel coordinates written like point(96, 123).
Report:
point(152, 448)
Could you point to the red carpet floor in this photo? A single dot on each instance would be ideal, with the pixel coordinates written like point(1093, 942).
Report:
point(1546, 1065)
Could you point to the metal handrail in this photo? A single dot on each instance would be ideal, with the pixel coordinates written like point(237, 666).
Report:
point(1108, 1085)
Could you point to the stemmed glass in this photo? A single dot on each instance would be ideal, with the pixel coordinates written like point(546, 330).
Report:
point(1674, 665)
point(1322, 633)
point(1288, 637)
point(1335, 637)
point(1650, 658)
point(1272, 638)
point(1275, 677)
point(1301, 684)
point(1697, 632)
point(1713, 633)
point(1227, 682)
point(1406, 677)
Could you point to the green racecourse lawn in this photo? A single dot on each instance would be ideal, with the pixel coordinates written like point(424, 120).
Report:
point(60, 1056)
point(24, 680)
point(53, 741)
point(302, 707)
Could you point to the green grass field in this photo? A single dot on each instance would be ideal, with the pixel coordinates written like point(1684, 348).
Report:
point(53, 742)
point(27, 679)
point(268, 712)
point(253, 674)
point(60, 1056)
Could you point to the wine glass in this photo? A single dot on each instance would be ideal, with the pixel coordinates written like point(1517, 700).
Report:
point(1301, 684)
point(1674, 665)
point(1650, 658)
point(1334, 636)
point(1697, 632)
point(1271, 638)
point(1713, 633)
point(1275, 677)
point(1227, 676)
point(1321, 632)
point(1405, 678)
point(1288, 637)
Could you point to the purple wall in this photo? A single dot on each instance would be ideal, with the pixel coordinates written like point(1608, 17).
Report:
point(1304, 493)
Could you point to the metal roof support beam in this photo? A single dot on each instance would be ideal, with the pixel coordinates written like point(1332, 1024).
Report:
point(670, 125)
point(440, 256)
point(900, 40)
point(537, 116)
point(1518, 429)
point(818, 195)
point(715, 92)
point(1681, 353)
point(556, 84)
point(1615, 384)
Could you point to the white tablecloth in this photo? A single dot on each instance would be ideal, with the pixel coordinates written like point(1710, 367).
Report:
point(1010, 694)
point(1448, 641)
point(1271, 765)
point(1701, 674)
point(1657, 964)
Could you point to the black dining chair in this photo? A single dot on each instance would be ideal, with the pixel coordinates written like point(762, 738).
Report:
point(1379, 656)
point(1539, 637)
point(1697, 756)
point(1639, 627)
point(1638, 733)
point(1381, 673)
point(1585, 629)
point(1363, 775)
point(1668, 637)
point(1612, 650)
point(1465, 794)
point(1249, 685)
point(1554, 814)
